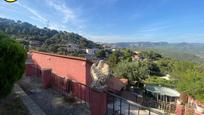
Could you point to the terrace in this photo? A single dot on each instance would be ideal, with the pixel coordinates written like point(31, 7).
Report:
point(40, 82)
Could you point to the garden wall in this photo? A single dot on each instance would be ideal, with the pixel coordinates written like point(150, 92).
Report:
point(70, 67)
point(188, 106)
point(56, 71)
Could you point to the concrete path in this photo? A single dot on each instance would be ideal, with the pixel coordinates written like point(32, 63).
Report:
point(32, 107)
point(51, 101)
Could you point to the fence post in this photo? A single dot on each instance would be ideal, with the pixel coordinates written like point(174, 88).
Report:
point(46, 77)
point(128, 109)
point(98, 103)
point(179, 109)
point(29, 69)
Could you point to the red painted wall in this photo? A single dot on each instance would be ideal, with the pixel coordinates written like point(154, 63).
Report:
point(97, 100)
point(29, 71)
point(98, 103)
point(179, 109)
point(73, 68)
point(65, 66)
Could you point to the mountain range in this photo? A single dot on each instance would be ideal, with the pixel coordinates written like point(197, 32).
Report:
point(70, 43)
point(182, 51)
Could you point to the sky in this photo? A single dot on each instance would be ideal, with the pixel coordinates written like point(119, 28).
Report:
point(115, 20)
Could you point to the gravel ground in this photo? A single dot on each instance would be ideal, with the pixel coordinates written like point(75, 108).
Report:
point(50, 101)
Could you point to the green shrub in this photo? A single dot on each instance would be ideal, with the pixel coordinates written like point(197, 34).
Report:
point(133, 71)
point(12, 63)
point(155, 80)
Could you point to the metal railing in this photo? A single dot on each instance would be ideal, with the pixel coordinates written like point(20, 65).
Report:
point(117, 105)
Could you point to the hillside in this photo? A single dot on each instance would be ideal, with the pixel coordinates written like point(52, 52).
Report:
point(45, 39)
point(182, 51)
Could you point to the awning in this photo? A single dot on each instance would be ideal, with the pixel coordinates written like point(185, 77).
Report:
point(162, 90)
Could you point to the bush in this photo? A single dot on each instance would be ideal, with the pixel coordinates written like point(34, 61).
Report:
point(12, 63)
point(155, 80)
point(189, 77)
point(133, 71)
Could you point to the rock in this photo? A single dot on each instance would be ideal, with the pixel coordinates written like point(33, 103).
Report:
point(100, 73)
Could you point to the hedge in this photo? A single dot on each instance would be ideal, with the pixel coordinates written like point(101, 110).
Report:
point(12, 63)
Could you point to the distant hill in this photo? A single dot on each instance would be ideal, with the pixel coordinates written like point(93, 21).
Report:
point(45, 38)
point(181, 51)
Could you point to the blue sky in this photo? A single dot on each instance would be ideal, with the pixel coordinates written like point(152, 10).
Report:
point(115, 20)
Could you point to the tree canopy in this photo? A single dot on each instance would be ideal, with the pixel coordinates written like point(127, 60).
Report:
point(185, 76)
point(12, 63)
point(133, 71)
point(46, 39)
point(113, 59)
point(150, 55)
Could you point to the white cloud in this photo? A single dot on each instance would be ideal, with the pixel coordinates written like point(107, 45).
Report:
point(155, 27)
point(107, 38)
point(67, 12)
point(70, 17)
point(57, 26)
point(34, 13)
point(116, 38)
